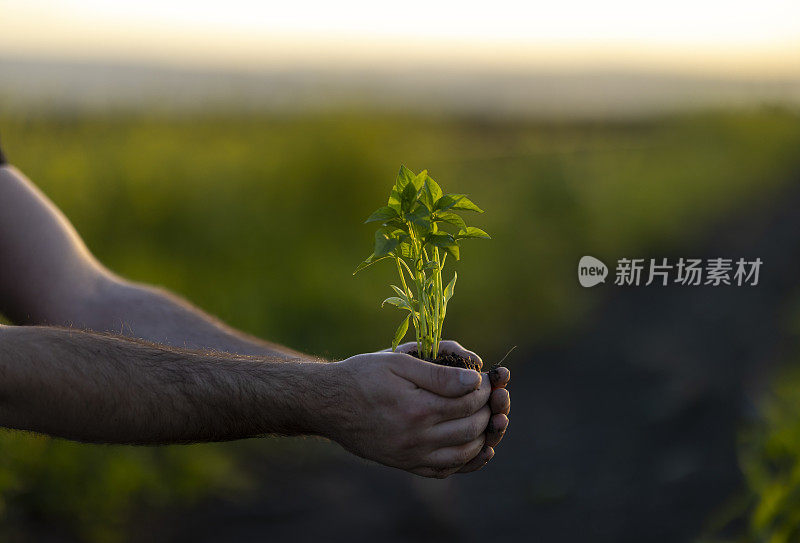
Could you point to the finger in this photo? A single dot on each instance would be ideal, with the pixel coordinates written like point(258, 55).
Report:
point(455, 457)
point(500, 401)
point(441, 380)
point(496, 429)
point(406, 347)
point(460, 431)
point(486, 454)
point(455, 347)
point(465, 406)
point(499, 376)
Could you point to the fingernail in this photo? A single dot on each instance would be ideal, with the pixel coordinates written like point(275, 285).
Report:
point(470, 378)
point(498, 374)
point(494, 376)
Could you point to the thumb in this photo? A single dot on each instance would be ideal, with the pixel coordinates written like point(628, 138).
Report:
point(441, 380)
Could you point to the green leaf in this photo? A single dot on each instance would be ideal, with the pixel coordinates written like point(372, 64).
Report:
point(398, 302)
point(399, 224)
point(444, 241)
point(404, 177)
point(447, 201)
point(465, 204)
point(369, 261)
point(432, 265)
point(456, 201)
point(430, 193)
point(382, 214)
point(420, 215)
point(450, 288)
point(408, 197)
point(400, 332)
point(451, 218)
point(399, 292)
point(394, 200)
point(404, 250)
point(385, 243)
point(453, 250)
point(393, 232)
point(419, 180)
point(433, 189)
point(439, 239)
point(472, 232)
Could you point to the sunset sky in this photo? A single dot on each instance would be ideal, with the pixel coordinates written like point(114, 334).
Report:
point(759, 38)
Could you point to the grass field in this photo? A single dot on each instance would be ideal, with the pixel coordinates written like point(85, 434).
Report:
point(258, 220)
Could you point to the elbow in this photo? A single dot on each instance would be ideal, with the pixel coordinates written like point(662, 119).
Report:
point(80, 302)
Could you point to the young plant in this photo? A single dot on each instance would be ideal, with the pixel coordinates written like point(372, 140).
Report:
point(419, 229)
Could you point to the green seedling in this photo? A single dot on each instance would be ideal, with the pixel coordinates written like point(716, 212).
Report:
point(419, 229)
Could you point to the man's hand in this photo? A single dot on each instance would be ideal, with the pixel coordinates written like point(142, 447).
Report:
point(410, 414)
point(499, 401)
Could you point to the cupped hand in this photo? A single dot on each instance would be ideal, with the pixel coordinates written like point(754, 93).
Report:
point(411, 414)
point(499, 401)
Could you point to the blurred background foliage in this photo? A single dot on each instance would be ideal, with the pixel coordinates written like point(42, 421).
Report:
point(770, 458)
point(258, 220)
point(769, 455)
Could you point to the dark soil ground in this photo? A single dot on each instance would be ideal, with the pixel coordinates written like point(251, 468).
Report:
point(453, 361)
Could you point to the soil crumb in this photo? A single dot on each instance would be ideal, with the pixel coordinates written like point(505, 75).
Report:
point(454, 361)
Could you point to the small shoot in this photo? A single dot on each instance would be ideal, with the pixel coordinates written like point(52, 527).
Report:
point(419, 228)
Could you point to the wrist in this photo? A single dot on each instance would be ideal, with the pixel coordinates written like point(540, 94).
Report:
point(311, 395)
point(324, 400)
point(243, 396)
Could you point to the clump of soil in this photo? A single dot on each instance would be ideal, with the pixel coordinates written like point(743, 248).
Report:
point(453, 360)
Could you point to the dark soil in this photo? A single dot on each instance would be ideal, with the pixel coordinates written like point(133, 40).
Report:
point(454, 361)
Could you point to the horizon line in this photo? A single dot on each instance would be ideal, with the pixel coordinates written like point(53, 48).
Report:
point(768, 62)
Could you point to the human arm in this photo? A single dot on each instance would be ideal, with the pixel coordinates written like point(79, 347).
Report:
point(53, 279)
point(50, 277)
point(387, 407)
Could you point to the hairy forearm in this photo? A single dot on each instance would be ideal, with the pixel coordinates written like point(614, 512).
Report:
point(100, 388)
point(156, 315)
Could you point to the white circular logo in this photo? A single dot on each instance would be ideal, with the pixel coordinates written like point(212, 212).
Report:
point(591, 271)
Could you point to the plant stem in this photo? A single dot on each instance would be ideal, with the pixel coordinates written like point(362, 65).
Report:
point(419, 279)
point(410, 298)
point(410, 273)
point(423, 313)
point(439, 298)
point(444, 302)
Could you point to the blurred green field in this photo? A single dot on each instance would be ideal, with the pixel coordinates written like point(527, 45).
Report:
point(258, 220)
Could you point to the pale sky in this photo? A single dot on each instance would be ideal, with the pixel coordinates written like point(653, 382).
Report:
point(755, 37)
